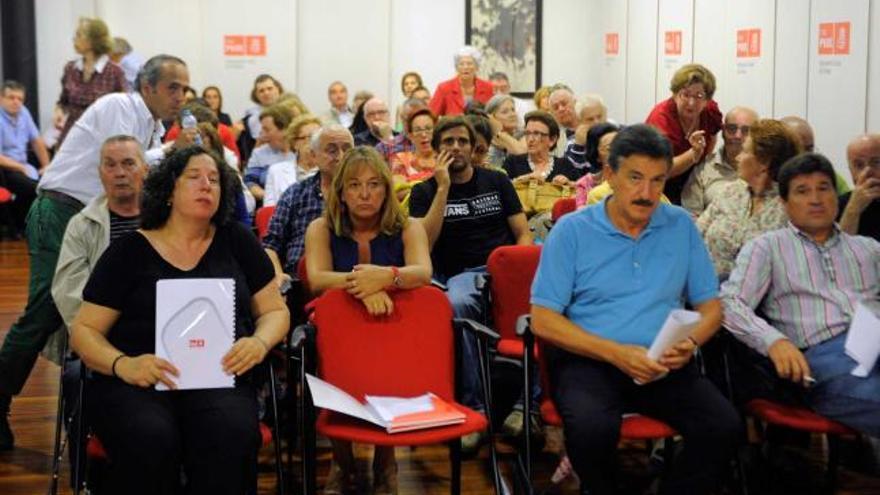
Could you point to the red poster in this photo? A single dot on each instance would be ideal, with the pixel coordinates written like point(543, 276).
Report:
point(826, 38)
point(748, 43)
point(673, 43)
point(612, 43)
point(841, 38)
point(235, 45)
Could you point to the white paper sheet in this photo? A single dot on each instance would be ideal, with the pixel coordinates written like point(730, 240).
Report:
point(678, 325)
point(389, 408)
point(329, 396)
point(195, 328)
point(863, 340)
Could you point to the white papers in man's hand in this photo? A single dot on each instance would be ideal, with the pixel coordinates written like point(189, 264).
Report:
point(195, 328)
point(863, 340)
point(678, 325)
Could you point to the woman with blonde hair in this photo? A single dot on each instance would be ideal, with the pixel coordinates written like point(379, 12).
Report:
point(92, 74)
point(366, 245)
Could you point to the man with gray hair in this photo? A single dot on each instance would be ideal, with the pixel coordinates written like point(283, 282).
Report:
point(562, 106)
point(720, 167)
point(860, 209)
point(378, 121)
point(70, 181)
point(304, 201)
point(339, 112)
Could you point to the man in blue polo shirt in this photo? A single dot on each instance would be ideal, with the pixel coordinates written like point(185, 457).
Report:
point(17, 132)
point(602, 310)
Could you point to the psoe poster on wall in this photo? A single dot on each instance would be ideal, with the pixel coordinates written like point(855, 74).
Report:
point(838, 77)
point(241, 50)
point(675, 28)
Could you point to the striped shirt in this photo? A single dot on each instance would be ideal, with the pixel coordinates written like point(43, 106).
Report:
point(807, 292)
point(120, 225)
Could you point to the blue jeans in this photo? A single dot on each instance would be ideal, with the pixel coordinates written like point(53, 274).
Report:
point(839, 395)
point(465, 299)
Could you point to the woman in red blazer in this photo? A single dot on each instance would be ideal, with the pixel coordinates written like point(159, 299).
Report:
point(451, 97)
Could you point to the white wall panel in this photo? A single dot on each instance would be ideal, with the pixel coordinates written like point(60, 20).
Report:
point(424, 38)
point(748, 75)
point(611, 81)
point(569, 51)
point(675, 20)
point(873, 118)
point(343, 40)
point(55, 25)
point(791, 58)
point(838, 81)
point(641, 59)
point(711, 45)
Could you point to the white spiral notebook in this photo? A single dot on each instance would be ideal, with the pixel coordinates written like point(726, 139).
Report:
point(195, 328)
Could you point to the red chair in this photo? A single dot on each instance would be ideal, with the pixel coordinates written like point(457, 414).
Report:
point(803, 419)
point(633, 427)
point(406, 354)
point(261, 220)
point(562, 207)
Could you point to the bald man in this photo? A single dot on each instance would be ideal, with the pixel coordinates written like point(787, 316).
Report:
point(804, 131)
point(719, 168)
point(860, 209)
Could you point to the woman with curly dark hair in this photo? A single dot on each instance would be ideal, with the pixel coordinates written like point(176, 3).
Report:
point(213, 433)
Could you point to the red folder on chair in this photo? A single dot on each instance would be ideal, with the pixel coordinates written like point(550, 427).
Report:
point(394, 414)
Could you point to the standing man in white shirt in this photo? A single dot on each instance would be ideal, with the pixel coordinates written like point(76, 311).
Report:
point(70, 181)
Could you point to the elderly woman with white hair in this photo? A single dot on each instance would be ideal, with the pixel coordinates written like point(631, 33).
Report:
point(452, 96)
point(506, 137)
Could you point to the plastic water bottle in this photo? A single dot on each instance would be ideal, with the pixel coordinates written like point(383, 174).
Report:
point(188, 121)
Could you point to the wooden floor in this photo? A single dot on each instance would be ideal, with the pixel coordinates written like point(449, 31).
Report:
point(425, 470)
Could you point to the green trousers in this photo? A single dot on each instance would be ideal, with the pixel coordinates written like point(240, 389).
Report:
point(46, 221)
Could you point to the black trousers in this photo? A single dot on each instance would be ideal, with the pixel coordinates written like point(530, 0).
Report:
point(149, 435)
point(25, 190)
point(592, 396)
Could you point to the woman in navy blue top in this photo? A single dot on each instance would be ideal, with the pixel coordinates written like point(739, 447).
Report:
point(365, 244)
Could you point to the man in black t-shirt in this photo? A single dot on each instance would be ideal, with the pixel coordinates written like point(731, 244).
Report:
point(860, 209)
point(467, 212)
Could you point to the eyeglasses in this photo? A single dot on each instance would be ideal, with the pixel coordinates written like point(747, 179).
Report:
point(422, 130)
point(536, 134)
point(300, 138)
point(692, 96)
point(732, 128)
point(376, 113)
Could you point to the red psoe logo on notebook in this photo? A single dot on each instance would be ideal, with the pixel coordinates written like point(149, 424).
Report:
point(612, 43)
point(748, 43)
point(196, 343)
point(672, 46)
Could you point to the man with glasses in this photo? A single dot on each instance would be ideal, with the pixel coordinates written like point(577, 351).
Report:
point(861, 207)
point(719, 167)
point(303, 202)
point(378, 121)
point(401, 142)
point(467, 212)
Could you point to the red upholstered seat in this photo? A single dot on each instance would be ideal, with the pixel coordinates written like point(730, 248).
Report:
point(335, 425)
point(5, 195)
point(512, 269)
point(634, 427)
point(795, 417)
point(562, 207)
point(261, 220)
